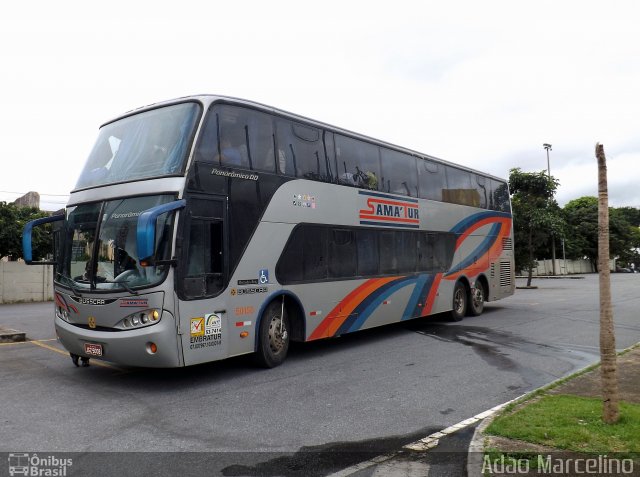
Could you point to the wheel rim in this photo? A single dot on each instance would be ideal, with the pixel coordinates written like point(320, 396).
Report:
point(477, 297)
point(458, 301)
point(277, 335)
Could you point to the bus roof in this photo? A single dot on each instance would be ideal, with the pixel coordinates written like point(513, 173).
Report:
point(208, 99)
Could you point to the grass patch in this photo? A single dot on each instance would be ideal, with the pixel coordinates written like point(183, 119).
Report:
point(573, 423)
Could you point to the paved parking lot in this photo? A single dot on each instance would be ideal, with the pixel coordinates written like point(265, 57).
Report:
point(331, 402)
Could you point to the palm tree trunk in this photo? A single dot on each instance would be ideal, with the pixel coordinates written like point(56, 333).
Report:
point(610, 411)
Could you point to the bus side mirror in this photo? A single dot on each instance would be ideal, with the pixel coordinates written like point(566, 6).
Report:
point(27, 246)
point(146, 232)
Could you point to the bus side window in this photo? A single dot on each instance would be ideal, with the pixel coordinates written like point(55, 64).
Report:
point(431, 180)
point(204, 270)
point(443, 249)
point(460, 190)
point(358, 163)
point(482, 185)
point(399, 173)
point(342, 254)
point(314, 261)
point(246, 138)
point(367, 242)
point(499, 196)
point(388, 259)
point(407, 247)
point(300, 151)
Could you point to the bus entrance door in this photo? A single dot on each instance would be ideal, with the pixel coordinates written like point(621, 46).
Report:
point(203, 320)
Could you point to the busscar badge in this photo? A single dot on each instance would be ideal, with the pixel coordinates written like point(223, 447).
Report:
point(92, 322)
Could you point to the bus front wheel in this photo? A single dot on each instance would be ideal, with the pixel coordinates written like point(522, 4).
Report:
point(459, 302)
point(273, 339)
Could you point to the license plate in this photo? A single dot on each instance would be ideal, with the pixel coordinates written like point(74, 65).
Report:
point(93, 349)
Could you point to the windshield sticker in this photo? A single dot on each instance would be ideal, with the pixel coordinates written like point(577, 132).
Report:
point(304, 200)
point(234, 175)
point(388, 210)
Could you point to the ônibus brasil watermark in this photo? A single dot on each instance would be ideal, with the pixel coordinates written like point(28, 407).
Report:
point(33, 465)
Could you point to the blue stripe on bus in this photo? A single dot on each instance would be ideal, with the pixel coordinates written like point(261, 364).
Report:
point(479, 251)
point(372, 302)
point(421, 293)
point(463, 225)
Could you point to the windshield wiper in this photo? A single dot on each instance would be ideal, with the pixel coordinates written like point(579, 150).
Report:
point(124, 285)
point(70, 282)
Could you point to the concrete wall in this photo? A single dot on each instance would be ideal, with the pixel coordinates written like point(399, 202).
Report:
point(21, 282)
point(566, 267)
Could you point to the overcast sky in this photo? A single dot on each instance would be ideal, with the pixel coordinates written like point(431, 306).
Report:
point(483, 84)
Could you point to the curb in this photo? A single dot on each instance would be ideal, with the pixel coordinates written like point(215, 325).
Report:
point(476, 446)
point(12, 336)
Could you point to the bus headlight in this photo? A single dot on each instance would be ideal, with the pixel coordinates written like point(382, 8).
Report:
point(139, 319)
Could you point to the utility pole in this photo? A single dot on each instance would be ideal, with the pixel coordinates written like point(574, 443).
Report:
point(553, 239)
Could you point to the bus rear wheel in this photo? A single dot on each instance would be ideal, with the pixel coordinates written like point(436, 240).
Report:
point(476, 300)
point(273, 338)
point(459, 302)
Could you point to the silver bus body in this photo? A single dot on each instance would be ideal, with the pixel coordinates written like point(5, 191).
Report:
point(183, 329)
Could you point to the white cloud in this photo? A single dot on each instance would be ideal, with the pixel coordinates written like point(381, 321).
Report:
point(479, 83)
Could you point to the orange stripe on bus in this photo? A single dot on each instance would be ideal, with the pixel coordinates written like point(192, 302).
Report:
point(342, 310)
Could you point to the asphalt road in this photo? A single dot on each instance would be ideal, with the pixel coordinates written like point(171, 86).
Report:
point(332, 404)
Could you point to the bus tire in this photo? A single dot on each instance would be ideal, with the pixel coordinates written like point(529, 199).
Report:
point(273, 336)
point(459, 302)
point(476, 299)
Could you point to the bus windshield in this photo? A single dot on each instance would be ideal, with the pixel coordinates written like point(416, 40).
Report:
point(112, 263)
point(149, 144)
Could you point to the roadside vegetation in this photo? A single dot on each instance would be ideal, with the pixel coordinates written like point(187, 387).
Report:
point(537, 218)
point(571, 423)
point(12, 220)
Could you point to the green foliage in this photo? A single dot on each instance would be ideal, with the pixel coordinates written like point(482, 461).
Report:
point(12, 221)
point(581, 216)
point(573, 423)
point(536, 214)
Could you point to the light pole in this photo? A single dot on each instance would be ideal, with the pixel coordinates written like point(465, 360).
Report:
point(547, 146)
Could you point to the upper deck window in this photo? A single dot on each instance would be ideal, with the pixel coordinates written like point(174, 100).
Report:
point(145, 145)
point(237, 137)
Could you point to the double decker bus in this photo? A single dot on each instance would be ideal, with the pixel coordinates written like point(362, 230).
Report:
point(208, 227)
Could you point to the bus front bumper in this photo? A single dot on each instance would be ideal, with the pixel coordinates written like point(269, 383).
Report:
point(131, 347)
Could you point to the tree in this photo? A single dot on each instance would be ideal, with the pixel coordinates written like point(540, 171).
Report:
point(608, 367)
point(535, 214)
point(12, 221)
point(631, 215)
point(581, 216)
